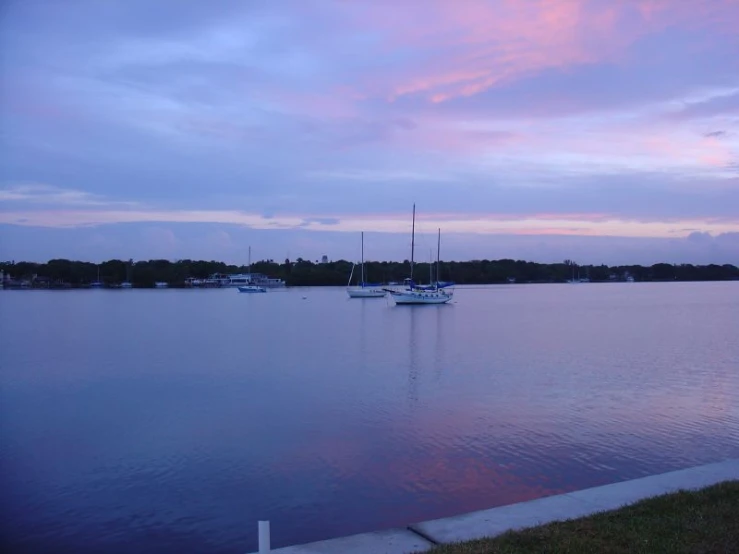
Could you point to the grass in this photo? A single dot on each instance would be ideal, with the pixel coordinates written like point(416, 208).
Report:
point(695, 522)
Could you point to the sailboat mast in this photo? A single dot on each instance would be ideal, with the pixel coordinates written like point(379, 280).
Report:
point(362, 259)
point(413, 238)
point(438, 252)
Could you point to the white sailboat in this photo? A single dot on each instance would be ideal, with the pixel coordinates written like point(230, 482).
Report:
point(573, 280)
point(578, 279)
point(98, 283)
point(251, 287)
point(434, 293)
point(363, 290)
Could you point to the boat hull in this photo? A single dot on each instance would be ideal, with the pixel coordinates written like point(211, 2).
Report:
point(365, 293)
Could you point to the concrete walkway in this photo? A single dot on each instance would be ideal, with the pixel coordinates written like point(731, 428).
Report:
point(487, 523)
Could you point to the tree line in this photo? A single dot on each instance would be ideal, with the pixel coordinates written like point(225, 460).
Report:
point(70, 273)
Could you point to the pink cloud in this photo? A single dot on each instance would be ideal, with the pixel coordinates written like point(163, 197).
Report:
point(466, 48)
point(719, 14)
point(440, 134)
point(439, 80)
point(474, 45)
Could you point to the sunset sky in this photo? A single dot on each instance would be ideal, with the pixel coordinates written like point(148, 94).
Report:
point(605, 131)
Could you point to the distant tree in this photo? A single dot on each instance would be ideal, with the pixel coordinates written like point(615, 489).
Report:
point(305, 272)
point(663, 272)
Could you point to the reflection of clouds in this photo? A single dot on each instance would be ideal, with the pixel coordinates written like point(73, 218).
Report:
point(474, 451)
point(425, 482)
point(530, 406)
point(464, 451)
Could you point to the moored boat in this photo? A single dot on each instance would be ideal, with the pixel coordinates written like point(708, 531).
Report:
point(251, 288)
point(434, 293)
point(363, 289)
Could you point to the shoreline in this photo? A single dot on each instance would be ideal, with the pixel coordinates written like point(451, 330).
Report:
point(426, 535)
point(328, 286)
point(63, 273)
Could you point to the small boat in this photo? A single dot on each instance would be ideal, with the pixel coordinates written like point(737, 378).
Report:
point(251, 288)
point(364, 290)
point(434, 293)
point(161, 285)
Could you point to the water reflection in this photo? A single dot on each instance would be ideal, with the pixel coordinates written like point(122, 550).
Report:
point(443, 314)
point(414, 345)
point(331, 416)
point(427, 343)
point(363, 330)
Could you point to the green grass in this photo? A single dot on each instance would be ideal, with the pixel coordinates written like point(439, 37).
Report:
point(696, 522)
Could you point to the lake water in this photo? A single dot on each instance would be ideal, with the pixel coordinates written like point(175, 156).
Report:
point(172, 420)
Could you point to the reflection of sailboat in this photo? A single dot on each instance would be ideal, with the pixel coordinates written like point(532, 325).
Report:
point(434, 293)
point(251, 287)
point(413, 346)
point(364, 290)
point(365, 349)
point(442, 320)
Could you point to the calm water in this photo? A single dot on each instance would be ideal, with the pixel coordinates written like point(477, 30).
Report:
point(171, 421)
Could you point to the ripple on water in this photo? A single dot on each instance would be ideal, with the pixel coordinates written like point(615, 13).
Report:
point(333, 416)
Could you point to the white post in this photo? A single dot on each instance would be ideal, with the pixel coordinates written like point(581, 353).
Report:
point(264, 546)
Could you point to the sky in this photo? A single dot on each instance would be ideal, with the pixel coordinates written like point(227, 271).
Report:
point(603, 131)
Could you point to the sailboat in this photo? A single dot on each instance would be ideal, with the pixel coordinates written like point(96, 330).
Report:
point(363, 290)
point(98, 283)
point(573, 280)
point(578, 279)
point(251, 287)
point(433, 293)
point(127, 284)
